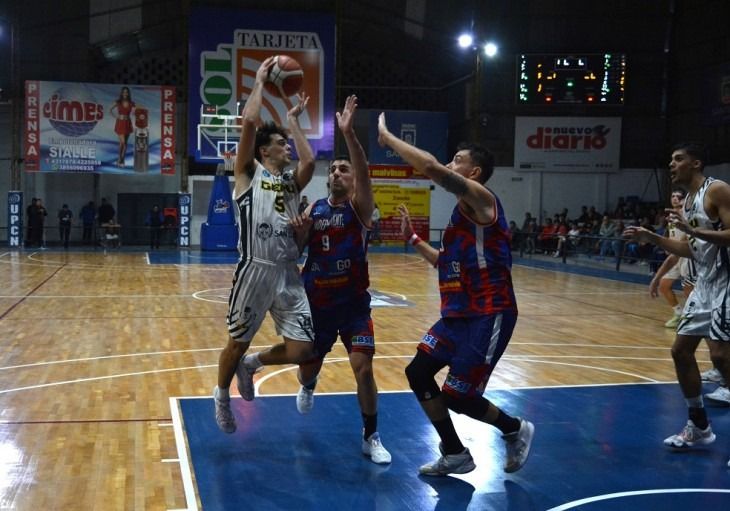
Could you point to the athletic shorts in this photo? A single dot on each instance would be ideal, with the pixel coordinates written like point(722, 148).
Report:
point(351, 321)
point(706, 312)
point(471, 347)
point(260, 286)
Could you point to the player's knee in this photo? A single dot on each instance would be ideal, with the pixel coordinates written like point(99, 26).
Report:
point(421, 381)
point(300, 352)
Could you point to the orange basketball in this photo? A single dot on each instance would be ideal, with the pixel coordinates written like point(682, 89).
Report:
point(285, 77)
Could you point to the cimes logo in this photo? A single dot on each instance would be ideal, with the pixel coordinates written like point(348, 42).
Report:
point(73, 110)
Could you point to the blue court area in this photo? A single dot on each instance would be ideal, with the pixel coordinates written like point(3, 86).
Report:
point(602, 444)
point(194, 257)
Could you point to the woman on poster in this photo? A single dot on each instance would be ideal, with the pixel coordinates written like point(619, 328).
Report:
point(122, 112)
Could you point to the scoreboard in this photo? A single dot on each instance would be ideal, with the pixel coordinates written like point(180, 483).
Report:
point(595, 78)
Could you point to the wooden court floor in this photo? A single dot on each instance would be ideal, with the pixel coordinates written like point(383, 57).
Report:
point(93, 345)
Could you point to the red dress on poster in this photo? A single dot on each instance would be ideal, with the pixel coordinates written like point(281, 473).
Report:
point(123, 126)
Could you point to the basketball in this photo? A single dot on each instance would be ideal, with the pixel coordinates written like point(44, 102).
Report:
point(285, 78)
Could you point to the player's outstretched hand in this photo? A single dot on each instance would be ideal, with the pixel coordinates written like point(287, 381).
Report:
point(382, 129)
point(406, 229)
point(637, 233)
point(296, 110)
point(344, 119)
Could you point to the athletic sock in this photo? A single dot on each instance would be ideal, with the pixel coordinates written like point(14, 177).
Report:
point(677, 310)
point(222, 394)
point(449, 439)
point(697, 413)
point(506, 424)
point(370, 424)
point(252, 361)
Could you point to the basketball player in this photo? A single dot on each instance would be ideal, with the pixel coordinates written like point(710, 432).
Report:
point(706, 214)
point(336, 278)
point(266, 277)
point(674, 268)
point(478, 307)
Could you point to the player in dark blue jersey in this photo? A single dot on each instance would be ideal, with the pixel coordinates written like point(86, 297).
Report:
point(478, 307)
point(335, 230)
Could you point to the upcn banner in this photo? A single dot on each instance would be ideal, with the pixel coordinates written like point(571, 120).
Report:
point(226, 49)
point(568, 144)
point(184, 202)
point(15, 219)
point(103, 128)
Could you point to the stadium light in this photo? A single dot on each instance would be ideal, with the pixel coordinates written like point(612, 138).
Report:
point(465, 40)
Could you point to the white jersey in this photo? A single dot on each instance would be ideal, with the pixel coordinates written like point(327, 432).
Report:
point(707, 309)
point(704, 253)
point(265, 209)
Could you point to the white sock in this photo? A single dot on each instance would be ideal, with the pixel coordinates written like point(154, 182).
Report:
point(252, 361)
point(222, 394)
point(694, 402)
point(677, 310)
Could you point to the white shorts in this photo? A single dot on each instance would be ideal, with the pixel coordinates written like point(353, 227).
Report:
point(258, 287)
point(674, 273)
point(707, 312)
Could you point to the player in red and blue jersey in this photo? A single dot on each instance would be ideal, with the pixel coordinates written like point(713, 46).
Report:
point(336, 280)
point(478, 307)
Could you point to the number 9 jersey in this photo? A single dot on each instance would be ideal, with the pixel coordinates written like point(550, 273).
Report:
point(336, 270)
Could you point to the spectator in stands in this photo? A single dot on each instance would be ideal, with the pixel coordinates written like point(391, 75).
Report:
point(106, 212)
point(606, 233)
point(30, 212)
point(64, 224)
point(568, 242)
point(87, 216)
point(154, 221)
point(38, 220)
point(546, 240)
point(584, 218)
point(303, 204)
point(515, 231)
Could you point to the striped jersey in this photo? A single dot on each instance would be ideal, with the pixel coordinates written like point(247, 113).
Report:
point(708, 257)
point(265, 209)
point(474, 266)
point(336, 270)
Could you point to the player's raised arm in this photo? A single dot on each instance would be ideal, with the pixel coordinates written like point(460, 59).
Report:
point(305, 167)
point(244, 164)
point(362, 200)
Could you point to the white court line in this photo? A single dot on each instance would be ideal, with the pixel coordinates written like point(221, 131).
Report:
point(182, 454)
point(380, 343)
point(609, 496)
point(170, 460)
point(185, 295)
point(147, 258)
point(111, 376)
point(164, 424)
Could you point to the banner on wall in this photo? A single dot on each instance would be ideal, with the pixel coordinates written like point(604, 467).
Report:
point(102, 128)
point(228, 46)
point(716, 95)
point(426, 130)
point(15, 219)
point(184, 203)
point(568, 144)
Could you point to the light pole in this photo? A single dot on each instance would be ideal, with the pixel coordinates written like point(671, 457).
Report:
point(481, 51)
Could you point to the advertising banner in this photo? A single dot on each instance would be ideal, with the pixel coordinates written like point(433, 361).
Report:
point(568, 144)
point(417, 198)
point(226, 49)
point(103, 128)
point(15, 219)
point(184, 202)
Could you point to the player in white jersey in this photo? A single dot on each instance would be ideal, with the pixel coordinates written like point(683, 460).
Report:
point(266, 277)
point(674, 268)
point(706, 221)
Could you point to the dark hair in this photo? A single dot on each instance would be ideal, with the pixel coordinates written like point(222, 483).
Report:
point(121, 97)
point(696, 150)
point(264, 134)
point(481, 157)
point(343, 157)
point(679, 190)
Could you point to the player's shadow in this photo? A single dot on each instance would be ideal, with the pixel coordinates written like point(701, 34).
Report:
point(453, 494)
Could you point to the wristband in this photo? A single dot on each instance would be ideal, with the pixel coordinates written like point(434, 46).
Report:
point(415, 240)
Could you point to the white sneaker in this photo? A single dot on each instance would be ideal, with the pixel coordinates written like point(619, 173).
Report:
point(305, 400)
point(720, 397)
point(712, 376)
point(672, 323)
point(223, 414)
point(690, 436)
point(244, 379)
point(518, 446)
point(449, 464)
point(373, 447)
